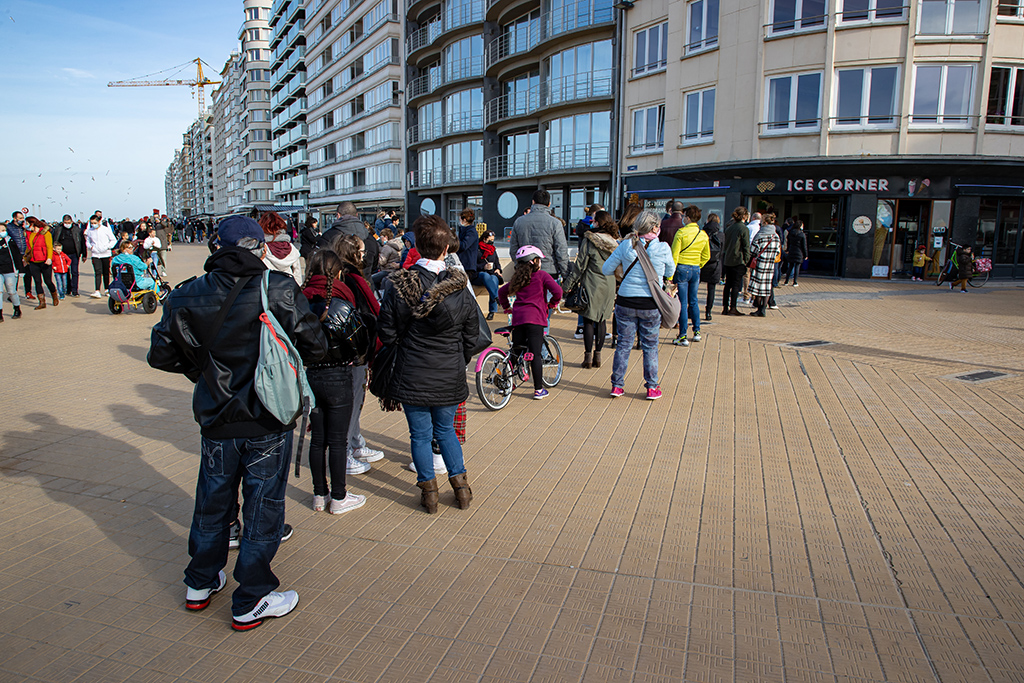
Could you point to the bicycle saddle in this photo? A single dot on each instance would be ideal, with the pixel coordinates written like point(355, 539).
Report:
point(503, 331)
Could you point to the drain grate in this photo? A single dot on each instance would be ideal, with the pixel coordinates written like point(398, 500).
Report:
point(981, 376)
point(806, 344)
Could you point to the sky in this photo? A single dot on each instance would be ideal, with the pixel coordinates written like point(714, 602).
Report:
point(68, 143)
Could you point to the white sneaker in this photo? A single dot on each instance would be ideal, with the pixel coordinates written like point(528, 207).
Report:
point(96, 295)
point(320, 503)
point(411, 466)
point(199, 598)
point(273, 604)
point(368, 454)
point(696, 336)
point(351, 502)
point(356, 467)
point(440, 470)
point(774, 307)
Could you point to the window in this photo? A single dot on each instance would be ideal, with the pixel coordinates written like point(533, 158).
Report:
point(379, 55)
point(794, 15)
point(699, 116)
point(464, 111)
point(259, 55)
point(259, 75)
point(377, 13)
point(258, 34)
point(794, 102)
point(648, 129)
point(464, 162)
point(257, 14)
point(581, 72)
point(523, 33)
point(1006, 97)
point(464, 59)
point(871, 10)
point(866, 96)
point(703, 21)
point(1011, 8)
point(579, 141)
point(950, 17)
point(942, 94)
point(651, 49)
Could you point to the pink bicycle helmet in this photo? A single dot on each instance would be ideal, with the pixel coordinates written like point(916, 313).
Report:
point(528, 253)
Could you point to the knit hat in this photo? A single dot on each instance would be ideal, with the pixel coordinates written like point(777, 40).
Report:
point(233, 229)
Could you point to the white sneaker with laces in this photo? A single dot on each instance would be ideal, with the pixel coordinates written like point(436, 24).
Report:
point(96, 295)
point(368, 454)
point(273, 604)
point(356, 467)
point(320, 503)
point(350, 502)
point(199, 598)
point(440, 470)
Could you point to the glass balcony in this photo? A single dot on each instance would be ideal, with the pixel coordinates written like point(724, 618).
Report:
point(572, 88)
point(450, 72)
point(294, 159)
point(586, 156)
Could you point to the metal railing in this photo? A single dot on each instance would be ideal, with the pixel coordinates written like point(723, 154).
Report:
point(519, 165)
point(453, 124)
point(550, 24)
point(341, 191)
point(513, 43)
point(584, 156)
point(572, 88)
point(460, 174)
point(448, 72)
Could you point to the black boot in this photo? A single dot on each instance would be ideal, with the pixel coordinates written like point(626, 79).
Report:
point(17, 312)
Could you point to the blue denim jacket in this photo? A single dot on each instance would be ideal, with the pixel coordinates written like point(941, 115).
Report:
point(635, 283)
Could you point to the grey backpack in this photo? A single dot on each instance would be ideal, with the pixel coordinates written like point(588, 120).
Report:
point(280, 377)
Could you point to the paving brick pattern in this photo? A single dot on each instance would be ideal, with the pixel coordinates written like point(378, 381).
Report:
point(839, 513)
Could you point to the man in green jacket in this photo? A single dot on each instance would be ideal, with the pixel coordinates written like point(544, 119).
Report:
point(735, 257)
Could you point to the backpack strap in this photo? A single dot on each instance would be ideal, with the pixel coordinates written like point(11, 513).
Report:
point(204, 353)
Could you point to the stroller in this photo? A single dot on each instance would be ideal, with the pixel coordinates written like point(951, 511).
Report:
point(124, 291)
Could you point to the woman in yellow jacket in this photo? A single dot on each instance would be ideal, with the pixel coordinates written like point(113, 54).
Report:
point(690, 250)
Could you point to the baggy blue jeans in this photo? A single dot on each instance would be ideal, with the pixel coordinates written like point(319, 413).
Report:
point(490, 282)
point(437, 422)
point(688, 279)
point(260, 464)
point(630, 322)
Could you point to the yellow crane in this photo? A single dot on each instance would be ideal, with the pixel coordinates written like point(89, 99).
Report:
point(198, 82)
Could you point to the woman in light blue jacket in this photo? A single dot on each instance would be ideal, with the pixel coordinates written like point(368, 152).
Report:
point(635, 310)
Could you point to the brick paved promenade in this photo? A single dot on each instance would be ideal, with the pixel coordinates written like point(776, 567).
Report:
point(839, 513)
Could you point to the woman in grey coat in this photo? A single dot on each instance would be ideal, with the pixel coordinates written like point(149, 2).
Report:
point(596, 246)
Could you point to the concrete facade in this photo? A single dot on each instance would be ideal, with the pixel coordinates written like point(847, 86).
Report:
point(288, 102)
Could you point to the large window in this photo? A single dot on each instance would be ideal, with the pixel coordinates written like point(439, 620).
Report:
point(523, 33)
point(523, 153)
point(580, 141)
point(951, 17)
point(871, 10)
point(866, 96)
point(650, 49)
point(464, 58)
point(464, 162)
point(464, 111)
point(1011, 8)
point(702, 17)
point(648, 129)
point(794, 15)
point(699, 116)
point(794, 102)
point(581, 72)
point(942, 94)
point(1006, 96)
point(522, 94)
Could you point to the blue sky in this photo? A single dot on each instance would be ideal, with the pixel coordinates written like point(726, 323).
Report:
point(70, 144)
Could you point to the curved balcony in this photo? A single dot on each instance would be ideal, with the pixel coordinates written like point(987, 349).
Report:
point(423, 37)
point(450, 72)
point(567, 89)
point(585, 156)
point(461, 174)
point(573, 17)
point(510, 44)
point(453, 124)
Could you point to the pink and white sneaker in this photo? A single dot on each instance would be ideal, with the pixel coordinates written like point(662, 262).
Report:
point(654, 394)
point(617, 391)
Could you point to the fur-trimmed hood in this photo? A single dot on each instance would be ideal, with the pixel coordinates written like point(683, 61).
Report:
point(605, 243)
point(409, 287)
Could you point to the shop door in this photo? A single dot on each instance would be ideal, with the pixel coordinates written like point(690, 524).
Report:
point(911, 230)
point(999, 236)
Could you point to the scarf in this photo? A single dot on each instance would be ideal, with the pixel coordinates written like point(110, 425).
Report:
point(317, 287)
point(486, 250)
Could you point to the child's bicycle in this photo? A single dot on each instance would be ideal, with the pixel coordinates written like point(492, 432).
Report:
point(981, 274)
point(498, 372)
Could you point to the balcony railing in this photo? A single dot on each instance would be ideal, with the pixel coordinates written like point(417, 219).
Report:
point(293, 184)
point(453, 124)
point(460, 174)
point(554, 23)
point(423, 36)
point(344, 191)
point(572, 88)
point(294, 159)
point(513, 43)
point(297, 133)
point(449, 72)
point(295, 109)
point(585, 156)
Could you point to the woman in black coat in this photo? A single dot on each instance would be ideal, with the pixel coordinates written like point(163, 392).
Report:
point(10, 265)
point(796, 251)
point(711, 273)
point(430, 315)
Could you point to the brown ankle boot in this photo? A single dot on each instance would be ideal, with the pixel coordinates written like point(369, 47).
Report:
point(428, 498)
point(56, 302)
point(597, 359)
point(588, 361)
point(463, 494)
point(42, 302)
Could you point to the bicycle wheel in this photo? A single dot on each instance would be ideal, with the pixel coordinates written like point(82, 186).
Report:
point(551, 354)
point(979, 279)
point(494, 381)
point(941, 277)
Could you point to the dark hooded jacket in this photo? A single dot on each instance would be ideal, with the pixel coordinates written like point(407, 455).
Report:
point(10, 255)
point(225, 402)
point(351, 225)
point(712, 270)
point(434, 320)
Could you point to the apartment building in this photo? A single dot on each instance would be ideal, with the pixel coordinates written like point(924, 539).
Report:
point(354, 113)
point(198, 152)
point(884, 125)
point(288, 104)
point(255, 130)
point(229, 152)
point(173, 182)
point(506, 96)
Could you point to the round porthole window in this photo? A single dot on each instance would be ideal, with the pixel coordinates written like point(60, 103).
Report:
point(427, 207)
point(508, 205)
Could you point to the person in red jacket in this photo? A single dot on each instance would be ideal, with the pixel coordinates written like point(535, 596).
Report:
point(61, 266)
point(39, 258)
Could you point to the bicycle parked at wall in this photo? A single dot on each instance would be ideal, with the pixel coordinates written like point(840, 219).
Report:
point(499, 372)
point(981, 273)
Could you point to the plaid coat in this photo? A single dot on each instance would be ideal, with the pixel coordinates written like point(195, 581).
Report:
point(766, 247)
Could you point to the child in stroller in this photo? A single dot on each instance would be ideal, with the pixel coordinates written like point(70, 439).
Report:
point(135, 282)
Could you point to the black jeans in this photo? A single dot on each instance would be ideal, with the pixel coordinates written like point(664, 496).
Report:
point(712, 284)
point(42, 274)
point(531, 338)
point(593, 335)
point(101, 271)
point(733, 284)
point(73, 274)
point(328, 442)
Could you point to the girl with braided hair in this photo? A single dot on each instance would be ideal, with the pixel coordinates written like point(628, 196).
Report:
point(331, 381)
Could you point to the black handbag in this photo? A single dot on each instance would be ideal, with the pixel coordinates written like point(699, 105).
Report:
point(483, 339)
point(382, 372)
point(576, 297)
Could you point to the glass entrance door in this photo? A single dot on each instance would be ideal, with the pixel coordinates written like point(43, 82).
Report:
point(910, 230)
point(999, 236)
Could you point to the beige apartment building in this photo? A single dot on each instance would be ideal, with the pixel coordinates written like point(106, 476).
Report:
point(883, 124)
point(354, 115)
point(288, 106)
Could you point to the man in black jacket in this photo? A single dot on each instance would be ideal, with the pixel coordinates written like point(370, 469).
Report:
point(216, 344)
point(71, 238)
point(347, 223)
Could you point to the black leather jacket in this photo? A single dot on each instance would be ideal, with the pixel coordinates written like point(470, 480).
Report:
point(349, 336)
point(225, 402)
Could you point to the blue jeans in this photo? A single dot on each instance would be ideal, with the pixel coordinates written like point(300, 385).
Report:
point(355, 435)
point(260, 464)
point(10, 286)
point(793, 269)
point(490, 281)
point(426, 423)
point(688, 279)
point(631, 321)
point(62, 284)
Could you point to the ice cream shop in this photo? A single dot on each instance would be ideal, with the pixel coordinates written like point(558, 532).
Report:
point(865, 218)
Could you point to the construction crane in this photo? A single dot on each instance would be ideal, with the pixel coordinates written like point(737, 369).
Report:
point(198, 82)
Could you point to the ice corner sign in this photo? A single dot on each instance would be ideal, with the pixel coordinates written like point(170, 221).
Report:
point(838, 185)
